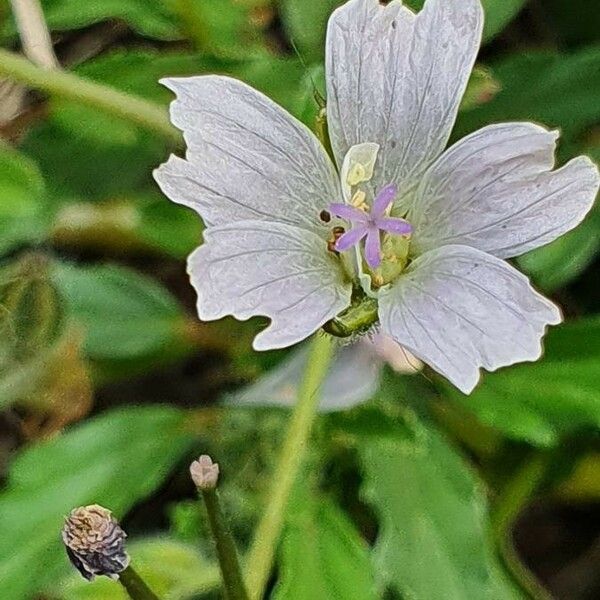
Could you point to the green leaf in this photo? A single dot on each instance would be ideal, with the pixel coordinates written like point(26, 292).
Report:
point(558, 90)
point(227, 28)
point(563, 260)
point(322, 557)
point(543, 401)
point(22, 199)
point(86, 154)
point(125, 315)
point(115, 460)
point(174, 570)
point(148, 17)
point(306, 23)
point(433, 541)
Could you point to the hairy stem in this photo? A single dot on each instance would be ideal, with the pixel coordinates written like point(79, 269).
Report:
point(291, 458)
point(231, 573)
point(135, 586)
point(510, 504)
point(71, 87)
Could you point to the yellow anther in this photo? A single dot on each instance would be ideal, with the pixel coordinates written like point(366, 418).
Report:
point(358, 200)
point(357, 174)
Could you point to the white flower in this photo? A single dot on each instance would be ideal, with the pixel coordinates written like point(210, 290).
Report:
point(352, 378)
point(264, 186)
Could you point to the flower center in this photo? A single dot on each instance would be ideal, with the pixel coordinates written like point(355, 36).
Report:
point(382, 239)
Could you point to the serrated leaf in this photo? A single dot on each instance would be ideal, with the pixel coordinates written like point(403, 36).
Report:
point(174, 570)
point(433, 541)
point(323, 556)
point(125, 315)
point(114, 460)
point(543, 401)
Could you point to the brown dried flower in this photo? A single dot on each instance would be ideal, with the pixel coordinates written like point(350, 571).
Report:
point(205, 473)
point(95, 542)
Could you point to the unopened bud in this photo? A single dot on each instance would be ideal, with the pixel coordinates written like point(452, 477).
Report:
point(205, 473)
point(95, 542)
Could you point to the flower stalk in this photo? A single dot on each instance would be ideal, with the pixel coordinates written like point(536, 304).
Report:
point(205, 475)
point(71, 87)
point(291, 458)
point(135, 586)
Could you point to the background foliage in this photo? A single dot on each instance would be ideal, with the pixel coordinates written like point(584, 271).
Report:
point(109, 384)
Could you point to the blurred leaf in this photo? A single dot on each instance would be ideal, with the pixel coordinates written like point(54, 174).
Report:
point(64, 393)
point(563, 260)
point(229, 28)
point(142, 223)
point(306, 23)
point(174, 570)
point(31, 324)
point(543, 401)
point(22, 199)
point(433, 541)
point(577, 21)
point(89, 155)
point(115, 460)
point(322, 556)
point(125, 315)
point(147, 17)
point(498, 14)
point(553, 89)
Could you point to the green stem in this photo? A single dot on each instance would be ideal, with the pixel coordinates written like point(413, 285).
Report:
point(291, 458)
point(135, 585)
point(231, 573)
point(513, 499)
point(71, 87)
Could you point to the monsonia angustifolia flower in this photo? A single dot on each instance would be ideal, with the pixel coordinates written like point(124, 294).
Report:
point(400, 227)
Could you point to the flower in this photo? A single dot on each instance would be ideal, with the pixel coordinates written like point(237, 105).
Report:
point(205, 473)
point(369, 223)
point(353, 377)
point(95, 542)
point(264, 186)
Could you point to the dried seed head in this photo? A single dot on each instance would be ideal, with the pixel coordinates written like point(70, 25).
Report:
point(95, 542)
point(205, 473)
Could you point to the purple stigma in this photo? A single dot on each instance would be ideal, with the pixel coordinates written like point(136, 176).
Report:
point(369, 225)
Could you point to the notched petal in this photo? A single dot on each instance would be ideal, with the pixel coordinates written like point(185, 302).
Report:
point(247, 158)
point(279, 271)
point(495, 190)
point(459, 309)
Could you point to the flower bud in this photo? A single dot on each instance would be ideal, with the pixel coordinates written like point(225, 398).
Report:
point(95, 542)
point(205, 473)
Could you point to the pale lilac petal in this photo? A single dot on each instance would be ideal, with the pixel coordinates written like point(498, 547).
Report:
point(407, 78)
point(373, 248)
point(282, 272)
point(352, 379)
point(459, 309)
point(247, 158)
point(351, 238)
point(393, 225)
point(350, 213)
point(495, 190)
point(384, 198)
